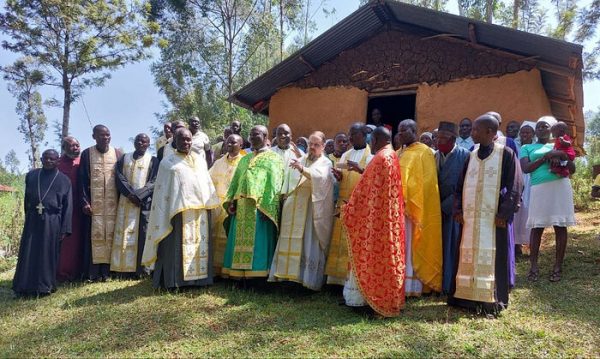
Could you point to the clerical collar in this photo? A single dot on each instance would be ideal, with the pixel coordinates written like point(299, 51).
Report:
point(360, 148)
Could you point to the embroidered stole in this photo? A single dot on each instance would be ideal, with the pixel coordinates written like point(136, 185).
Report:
point(475, 279)
point(104, 202)
point(337, 259)
point(125, 244)
point(291, 237)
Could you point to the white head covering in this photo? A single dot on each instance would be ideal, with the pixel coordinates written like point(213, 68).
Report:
point(372, 127)
point(528, 123)
point(550, 120)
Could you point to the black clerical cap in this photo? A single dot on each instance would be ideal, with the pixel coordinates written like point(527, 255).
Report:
point(448, 126)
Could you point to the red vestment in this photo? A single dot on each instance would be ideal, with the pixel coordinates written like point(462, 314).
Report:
point(69, 265)
point(374, 223)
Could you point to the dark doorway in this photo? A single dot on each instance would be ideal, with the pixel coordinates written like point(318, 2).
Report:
point(394, 108)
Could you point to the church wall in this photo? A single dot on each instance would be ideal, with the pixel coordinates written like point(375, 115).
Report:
point(517, 96)
point(331, 110)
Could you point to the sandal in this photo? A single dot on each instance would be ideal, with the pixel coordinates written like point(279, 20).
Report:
point(533, 276)
point(556, 276)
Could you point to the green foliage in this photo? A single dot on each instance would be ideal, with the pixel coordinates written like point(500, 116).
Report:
point(77, 42)
point(211, 48)
point(11, 212)
point(24, 78)
point(582, 180)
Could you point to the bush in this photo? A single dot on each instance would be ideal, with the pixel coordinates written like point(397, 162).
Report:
point(582, 185)
point(12, 217)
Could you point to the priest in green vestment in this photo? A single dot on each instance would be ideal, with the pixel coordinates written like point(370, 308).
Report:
point(253, 206)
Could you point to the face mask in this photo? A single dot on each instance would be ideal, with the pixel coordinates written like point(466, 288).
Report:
point(445, 148)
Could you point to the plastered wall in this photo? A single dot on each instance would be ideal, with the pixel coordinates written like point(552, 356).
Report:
point(517, 96)
point(330, 110)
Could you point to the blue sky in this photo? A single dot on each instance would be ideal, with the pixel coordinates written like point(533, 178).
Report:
point(128, 101)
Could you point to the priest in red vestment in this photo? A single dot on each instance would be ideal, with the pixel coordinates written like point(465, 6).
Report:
point(69, 265)
point(374, 221)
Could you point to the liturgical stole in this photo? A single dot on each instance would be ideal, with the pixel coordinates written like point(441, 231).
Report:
point(475, 279)
point(104, 202)
point(337, 260)
point(125, 244)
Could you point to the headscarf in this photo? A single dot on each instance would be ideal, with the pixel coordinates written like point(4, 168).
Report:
point(528, 123)
point(550, 120)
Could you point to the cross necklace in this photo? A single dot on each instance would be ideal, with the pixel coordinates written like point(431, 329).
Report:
point(40, 207)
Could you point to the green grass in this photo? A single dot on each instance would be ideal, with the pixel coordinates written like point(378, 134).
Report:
point(130, 319)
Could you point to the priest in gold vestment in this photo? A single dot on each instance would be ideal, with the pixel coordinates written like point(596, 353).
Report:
point(488, 195)
point(221, 174)
point(99, 198)
point(177, 244)
point(306, 220)
point(135, 175)
point(423, 225)
point(347, 172)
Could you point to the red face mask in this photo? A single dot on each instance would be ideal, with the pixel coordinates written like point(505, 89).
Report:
point(445, 148)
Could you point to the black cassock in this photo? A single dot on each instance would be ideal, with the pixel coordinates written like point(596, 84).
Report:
point(40, 242)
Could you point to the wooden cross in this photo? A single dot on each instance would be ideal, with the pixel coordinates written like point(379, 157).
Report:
point(40, 208)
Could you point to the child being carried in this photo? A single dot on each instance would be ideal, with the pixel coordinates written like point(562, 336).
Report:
point(562, 142)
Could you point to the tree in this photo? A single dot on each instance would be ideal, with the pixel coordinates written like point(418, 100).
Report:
point(77, 42)
point(12, 163)
point(24, 78)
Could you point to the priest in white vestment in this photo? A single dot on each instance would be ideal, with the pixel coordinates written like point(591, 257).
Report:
point(289, 152)
point(177, 244)
point(306, 220)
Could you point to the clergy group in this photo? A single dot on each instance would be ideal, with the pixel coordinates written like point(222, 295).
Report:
point(380, 217)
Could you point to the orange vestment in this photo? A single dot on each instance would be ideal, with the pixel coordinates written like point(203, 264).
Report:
point(374, 223)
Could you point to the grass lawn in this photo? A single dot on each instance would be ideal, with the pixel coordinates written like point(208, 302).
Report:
point(129, 318)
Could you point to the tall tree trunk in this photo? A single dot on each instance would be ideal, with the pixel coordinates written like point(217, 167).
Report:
point(66, 105)
point(489, 10)
point(281, 35)
point(68, 95)
point(516, 8)
point(306, 20)
point(32, 141)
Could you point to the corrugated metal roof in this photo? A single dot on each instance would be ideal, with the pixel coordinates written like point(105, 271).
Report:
point(557, 60)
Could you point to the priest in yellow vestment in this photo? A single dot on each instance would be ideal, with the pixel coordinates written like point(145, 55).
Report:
point(221, 174)
point(306, 220)
point(423, 225)
point(177, 245)
point(347, 172)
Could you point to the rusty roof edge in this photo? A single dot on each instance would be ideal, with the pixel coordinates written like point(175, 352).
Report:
point(384, 5)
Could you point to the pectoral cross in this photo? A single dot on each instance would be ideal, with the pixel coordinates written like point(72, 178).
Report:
point(40, 208)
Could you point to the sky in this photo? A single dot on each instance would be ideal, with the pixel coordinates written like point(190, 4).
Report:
point(128, 102)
